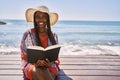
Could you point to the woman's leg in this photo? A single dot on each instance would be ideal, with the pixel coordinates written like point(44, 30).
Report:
point(42, 74)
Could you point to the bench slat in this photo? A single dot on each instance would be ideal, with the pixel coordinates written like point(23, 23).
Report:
point(74, 67)
point(68, 78)
point(70, 72)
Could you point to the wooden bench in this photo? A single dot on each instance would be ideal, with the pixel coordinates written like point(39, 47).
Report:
point(72, 67)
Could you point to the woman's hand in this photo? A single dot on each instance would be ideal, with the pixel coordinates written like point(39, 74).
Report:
point(43, 63)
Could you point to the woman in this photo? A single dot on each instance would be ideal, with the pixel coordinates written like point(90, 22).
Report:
point(40, 35)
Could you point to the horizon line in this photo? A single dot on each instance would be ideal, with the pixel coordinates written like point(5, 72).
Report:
point(66, 20)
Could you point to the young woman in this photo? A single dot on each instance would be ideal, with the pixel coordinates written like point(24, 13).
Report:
point(40, 35)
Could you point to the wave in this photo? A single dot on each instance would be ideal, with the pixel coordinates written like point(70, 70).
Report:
point(75, 37)
point(89, 33)
point(71, 22)
point(69, 49)
point(72, 48)
point(7, 50)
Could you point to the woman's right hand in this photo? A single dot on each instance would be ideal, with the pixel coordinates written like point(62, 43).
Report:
point(43, 63)
point(39, 63)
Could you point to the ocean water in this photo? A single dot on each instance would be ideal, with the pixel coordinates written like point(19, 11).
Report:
point(75, 37)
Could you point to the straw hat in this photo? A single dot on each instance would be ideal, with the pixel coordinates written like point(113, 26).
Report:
point(30, 13)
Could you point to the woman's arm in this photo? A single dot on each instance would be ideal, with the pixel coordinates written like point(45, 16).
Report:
point(26, 67)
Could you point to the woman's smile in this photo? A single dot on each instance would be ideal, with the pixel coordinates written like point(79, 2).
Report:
point(41, 21)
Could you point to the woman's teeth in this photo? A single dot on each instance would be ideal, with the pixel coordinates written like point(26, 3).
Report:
point(40, 23)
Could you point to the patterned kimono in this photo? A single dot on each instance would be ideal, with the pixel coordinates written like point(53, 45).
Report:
point(28, 39)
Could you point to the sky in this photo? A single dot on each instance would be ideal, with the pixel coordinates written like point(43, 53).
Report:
point(107, 10)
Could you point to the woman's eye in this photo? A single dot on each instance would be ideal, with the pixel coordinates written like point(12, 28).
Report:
point(37, 17)
point(45, 17)
point(41, 17)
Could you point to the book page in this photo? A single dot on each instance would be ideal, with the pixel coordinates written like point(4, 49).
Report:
point(52, 47)
point(36, 47)
point(41, 48)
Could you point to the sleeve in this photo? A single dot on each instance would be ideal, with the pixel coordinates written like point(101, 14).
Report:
point(56, 37)
point(26, 67)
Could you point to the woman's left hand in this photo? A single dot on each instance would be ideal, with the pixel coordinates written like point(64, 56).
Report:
point(47, 63)
point(43, 63)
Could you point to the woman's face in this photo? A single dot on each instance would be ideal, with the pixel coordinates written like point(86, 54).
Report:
point(41, 21)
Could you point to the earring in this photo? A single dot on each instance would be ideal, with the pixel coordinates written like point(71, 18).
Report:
point(46, 27)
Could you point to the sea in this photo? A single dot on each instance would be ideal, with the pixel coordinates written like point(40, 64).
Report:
point(76, 37)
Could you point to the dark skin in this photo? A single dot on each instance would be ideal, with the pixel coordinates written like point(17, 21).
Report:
point(41, 71)
point(41, 20)
point(43, 63)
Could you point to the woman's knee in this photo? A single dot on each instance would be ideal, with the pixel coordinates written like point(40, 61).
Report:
point(42, 74)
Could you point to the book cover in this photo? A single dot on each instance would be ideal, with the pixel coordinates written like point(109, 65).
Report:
point(35, 53)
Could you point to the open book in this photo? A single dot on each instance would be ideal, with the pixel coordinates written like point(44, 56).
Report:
point(35, 53)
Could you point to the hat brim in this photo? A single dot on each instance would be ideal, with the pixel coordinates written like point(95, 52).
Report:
point(30, 13)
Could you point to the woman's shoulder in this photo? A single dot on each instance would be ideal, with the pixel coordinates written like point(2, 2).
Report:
point(32, 30)
point(29, 31)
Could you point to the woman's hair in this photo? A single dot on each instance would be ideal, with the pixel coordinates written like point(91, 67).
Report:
point(49, 32)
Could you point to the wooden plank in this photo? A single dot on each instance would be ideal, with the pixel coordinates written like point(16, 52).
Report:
point(69, 59)
point(89, 73)
point(68, 78)
point(11, 77)
point(17, 62)
point(70, 72)
point(89, 78)
point(73, 67)
point(89, 60)
point(10, 62)
point(92, 63)
point(9, 66)
point(9, 58)
point(70, 56)
point(90, 67)
point(10, 55)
